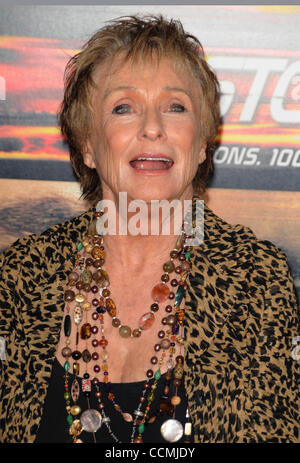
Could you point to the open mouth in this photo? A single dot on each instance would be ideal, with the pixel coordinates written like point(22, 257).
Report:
point(151, 163)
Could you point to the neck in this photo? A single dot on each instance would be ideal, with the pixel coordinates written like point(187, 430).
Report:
point(141, 237)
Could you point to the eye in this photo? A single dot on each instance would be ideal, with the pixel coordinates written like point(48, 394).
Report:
point(121, 109)
point(177, 108)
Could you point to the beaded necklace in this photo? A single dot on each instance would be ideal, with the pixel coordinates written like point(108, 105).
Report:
point(90, 278)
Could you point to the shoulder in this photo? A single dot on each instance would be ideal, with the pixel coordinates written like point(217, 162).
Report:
point(32, 251)
point(237, 251)
point(240, 239)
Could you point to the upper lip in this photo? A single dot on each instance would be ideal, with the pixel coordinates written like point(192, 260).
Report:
point(151, 155)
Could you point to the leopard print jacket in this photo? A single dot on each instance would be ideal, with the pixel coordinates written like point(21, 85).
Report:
point(241, 380)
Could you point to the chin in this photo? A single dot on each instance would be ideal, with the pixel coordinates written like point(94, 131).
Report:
point(153, 195)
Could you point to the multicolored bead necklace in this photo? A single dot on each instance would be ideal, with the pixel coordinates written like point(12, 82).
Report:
point(89, 277)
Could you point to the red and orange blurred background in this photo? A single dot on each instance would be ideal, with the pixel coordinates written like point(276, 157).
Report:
point(255, 53)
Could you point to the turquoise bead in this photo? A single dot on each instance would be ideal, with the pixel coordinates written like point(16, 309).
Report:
point(69, 419)
point(157, 375)
point(67, 365)
point(79, 246)
point(141, 428)
point(188, 255)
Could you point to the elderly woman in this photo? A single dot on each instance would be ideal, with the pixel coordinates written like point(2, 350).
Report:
point(145, 338)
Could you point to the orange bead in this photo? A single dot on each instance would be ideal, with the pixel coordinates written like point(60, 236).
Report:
point(110, 304)
point(103, 342)
point(98, 253)
point(175, 400)
point(160, 292)
point(113, 312)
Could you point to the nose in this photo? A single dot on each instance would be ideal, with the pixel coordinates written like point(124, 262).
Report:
point(152, 125)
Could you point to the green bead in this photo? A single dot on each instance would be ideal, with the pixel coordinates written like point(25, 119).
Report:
point(179, 295)
point(151, 397)
point(141, 428)
point(67, 396)
point(79, 246)
point(157, 375)
point(188, 255)
point(70, 419)
point(67, 365)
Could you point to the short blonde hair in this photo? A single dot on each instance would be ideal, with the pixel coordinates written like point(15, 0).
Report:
point(136, 38)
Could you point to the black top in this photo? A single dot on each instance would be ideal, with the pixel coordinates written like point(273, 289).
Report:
point(54, 427)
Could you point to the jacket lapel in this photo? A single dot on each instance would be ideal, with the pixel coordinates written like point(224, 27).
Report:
point(217, 288)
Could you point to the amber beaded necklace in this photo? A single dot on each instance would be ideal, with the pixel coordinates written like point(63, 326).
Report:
point(89, 276)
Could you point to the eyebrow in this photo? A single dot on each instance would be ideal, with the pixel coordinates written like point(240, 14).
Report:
point(123, 87)
point(169, 89)
point(178, 89)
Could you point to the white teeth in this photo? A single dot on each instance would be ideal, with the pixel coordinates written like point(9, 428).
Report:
point(153, 159)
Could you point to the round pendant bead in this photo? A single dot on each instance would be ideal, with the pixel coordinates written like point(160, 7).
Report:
point(91, 420)
point(171, 430)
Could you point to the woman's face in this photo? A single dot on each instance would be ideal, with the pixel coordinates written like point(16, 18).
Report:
point(143, 113)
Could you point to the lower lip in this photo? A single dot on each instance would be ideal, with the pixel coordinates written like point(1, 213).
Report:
point(152, 171)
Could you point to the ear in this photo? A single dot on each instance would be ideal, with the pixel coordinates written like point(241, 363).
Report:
point(202, 154)
point(88, 156)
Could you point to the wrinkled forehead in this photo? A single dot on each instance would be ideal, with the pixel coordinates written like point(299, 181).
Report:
point(106, 70)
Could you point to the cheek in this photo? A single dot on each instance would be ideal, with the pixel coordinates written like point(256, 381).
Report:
point(118, 139)
point(189, 142)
